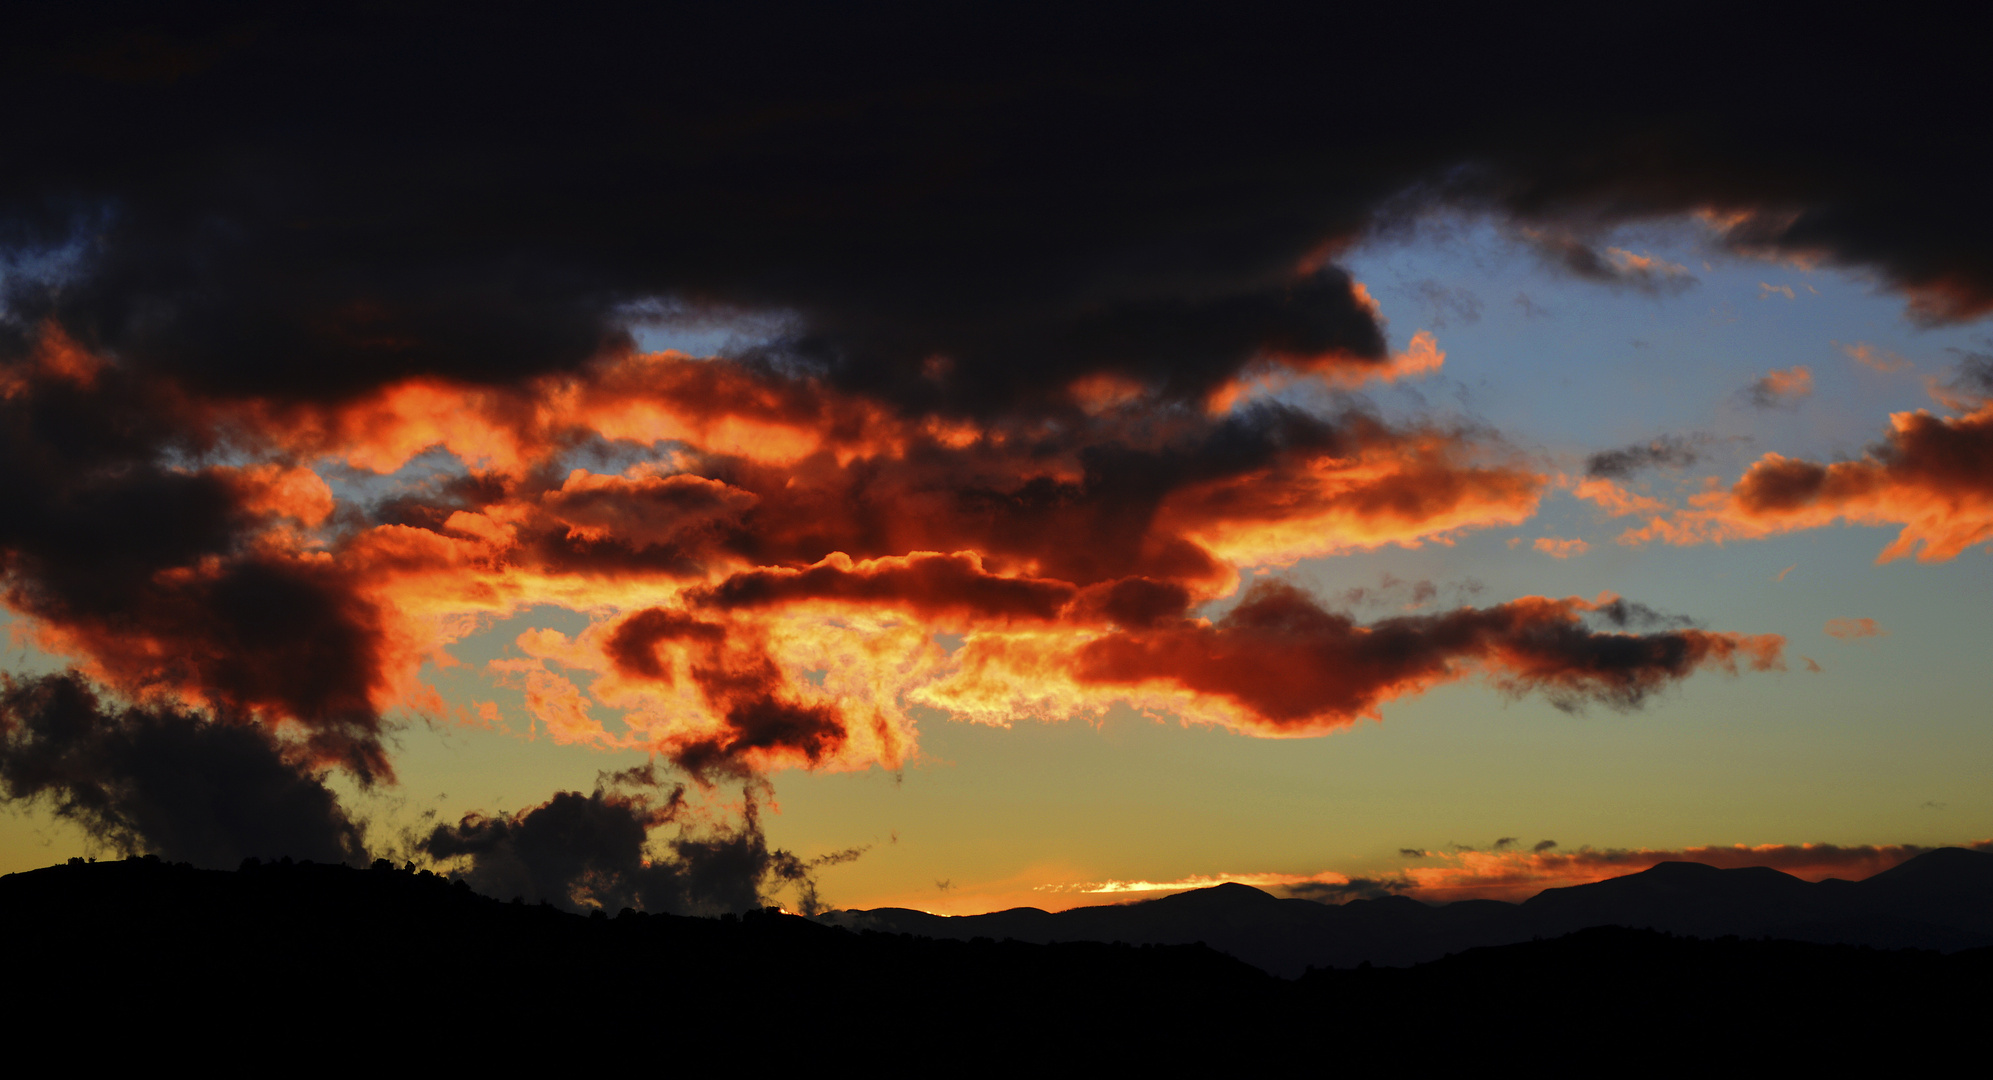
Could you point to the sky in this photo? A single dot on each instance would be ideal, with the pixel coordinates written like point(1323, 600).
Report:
point(961, 459)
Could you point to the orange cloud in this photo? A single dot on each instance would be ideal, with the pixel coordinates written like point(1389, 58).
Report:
point(1612, 497)
point(1422, 357)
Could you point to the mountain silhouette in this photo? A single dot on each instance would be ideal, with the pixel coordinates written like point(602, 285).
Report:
point(1941, 900)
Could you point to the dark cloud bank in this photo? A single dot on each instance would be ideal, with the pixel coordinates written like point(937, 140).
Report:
point(305, 200)
point(213, 211)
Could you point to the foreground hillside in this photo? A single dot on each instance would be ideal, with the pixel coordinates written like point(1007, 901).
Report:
point(308, 955)
point(1941, 900)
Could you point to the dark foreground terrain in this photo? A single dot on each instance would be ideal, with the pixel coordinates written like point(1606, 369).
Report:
point(155, 960)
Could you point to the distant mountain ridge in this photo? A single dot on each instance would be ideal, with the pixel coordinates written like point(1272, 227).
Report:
point(1940, 900)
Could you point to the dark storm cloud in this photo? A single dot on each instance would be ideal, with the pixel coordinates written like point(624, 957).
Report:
point(173, 783)
point(1668, 451)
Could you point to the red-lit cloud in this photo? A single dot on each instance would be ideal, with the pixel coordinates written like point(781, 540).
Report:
point(1280, 664)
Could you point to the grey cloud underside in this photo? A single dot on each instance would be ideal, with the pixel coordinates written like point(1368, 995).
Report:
point(1668, 451)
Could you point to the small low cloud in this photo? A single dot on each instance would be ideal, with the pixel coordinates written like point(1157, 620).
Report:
point(1784, 572)
point(1542, 846)
point(1615, 267)
point(1668, 451)
point(1766, 291)
point(1781, 388)
point(1558, 548)
point(1812, 665)
point(1530, 308)
point(1875, 358)
point(1850, 629)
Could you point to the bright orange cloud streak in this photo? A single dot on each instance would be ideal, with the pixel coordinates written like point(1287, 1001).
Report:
point(1932, 475)
point(767, 571)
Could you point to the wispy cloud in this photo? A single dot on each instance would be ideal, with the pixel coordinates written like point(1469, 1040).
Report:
point(1850, 629)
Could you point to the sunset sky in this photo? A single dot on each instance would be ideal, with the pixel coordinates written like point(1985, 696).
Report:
point(900, 456)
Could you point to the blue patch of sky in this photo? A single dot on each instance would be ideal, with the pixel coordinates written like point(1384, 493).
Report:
point(1566, 367)
point(694, 330)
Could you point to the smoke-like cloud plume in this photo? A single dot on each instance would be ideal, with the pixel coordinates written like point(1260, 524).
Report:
point(596, 851)
point(165, 781)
